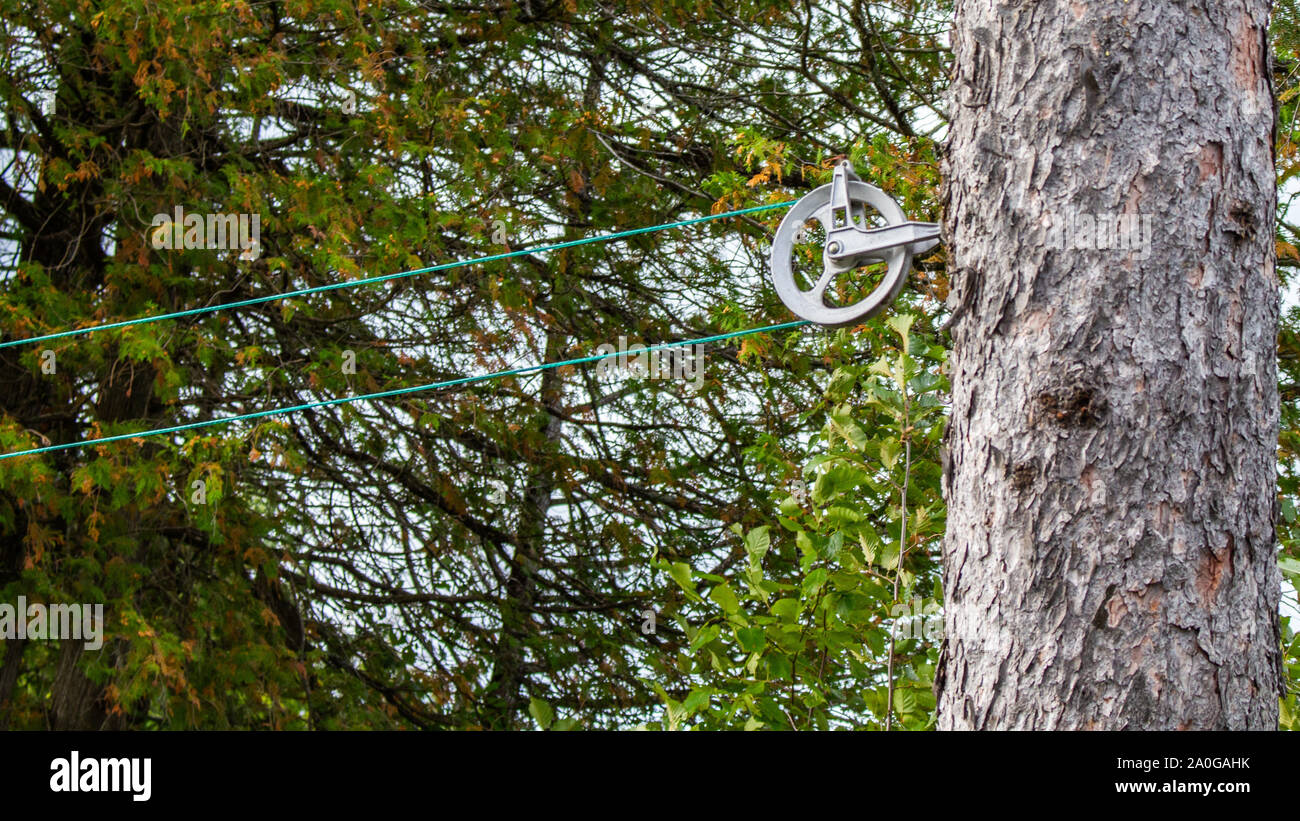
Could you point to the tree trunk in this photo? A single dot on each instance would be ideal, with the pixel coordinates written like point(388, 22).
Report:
point(1109, 560)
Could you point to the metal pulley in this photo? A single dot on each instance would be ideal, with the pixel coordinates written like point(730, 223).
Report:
point(851, 242)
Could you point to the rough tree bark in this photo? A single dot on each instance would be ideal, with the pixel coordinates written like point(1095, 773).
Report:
point(1109, 561)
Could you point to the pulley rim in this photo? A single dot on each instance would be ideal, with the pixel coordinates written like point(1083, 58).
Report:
point(810, 304)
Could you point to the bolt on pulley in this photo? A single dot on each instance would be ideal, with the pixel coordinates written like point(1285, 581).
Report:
point(851, 242)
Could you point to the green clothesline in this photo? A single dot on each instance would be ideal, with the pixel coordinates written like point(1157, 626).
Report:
point(336, 286)
point(465, 380)
point(397, 391)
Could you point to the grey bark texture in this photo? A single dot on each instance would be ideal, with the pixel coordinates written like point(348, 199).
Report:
point(1109, 561)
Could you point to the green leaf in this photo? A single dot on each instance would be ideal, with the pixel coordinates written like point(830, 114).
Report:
point(890, 449)
point(870, 542)
point(757, 542)
point(901, 324)
point(806, 547)
point(681, 573)
point(840, 516)
point(723, 597)
point(751, 639)
point(778, 667)
point(814, 581)
point(541, 712)
point(875, 641)
point(924, 381)
point(697, 700)
point(841, 381)
point(844, 425)
point(904, 701)
point(705, 635)
point(786, 609)
point(838, 479)
point(876, 699)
